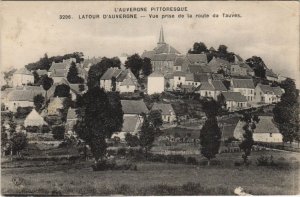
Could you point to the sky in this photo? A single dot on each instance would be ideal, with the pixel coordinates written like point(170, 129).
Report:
point(266, 29)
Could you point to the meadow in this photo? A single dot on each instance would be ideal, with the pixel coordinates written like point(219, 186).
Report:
point(154, 178)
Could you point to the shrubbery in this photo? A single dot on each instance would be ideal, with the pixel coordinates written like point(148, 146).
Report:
point(58, 132)
point(33, 129)
point(131, 140)
point(22, 112)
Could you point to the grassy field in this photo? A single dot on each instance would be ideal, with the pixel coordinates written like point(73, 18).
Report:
point(156, 178)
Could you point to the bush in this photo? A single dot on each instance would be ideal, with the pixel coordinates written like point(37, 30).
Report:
point(121, 152)
point(265, 161)
point(58, 132)
point(32, 129)
point(22, 112)
point(191, 160)
point(45, 129)
point(175, 159)
point(131, 140)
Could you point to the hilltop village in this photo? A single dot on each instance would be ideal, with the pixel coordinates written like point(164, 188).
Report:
point(45, 101)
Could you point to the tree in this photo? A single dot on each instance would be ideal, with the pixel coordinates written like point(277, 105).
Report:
point(210, 138)
point(95, 122)
point(135, 64)
point(97, 70)
point(38, 101)
point(46, 82)
point(210, 107)
point(36, 77)
point(198, 48)
point(62, 90)
point(113, 84)
point(155, 119)
point(131, 140)
point(72, 75)
point(147, 135)
point(147, 66)
point(19, 142)
point(249, 127)
point(258, 65)
point(58, 132)
point(115, 111)
point(286, 112)
point(222, 49)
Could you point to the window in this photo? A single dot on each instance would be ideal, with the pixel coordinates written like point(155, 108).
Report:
point(270, 134)
point(176, 68)
point(178, 78)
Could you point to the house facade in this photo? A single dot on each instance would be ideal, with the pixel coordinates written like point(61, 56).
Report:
point(155, 83)
point(167, 112)
point(267, 94)
point(22, 77)
point(120, 80)
point(245, 87)
point(234, 101)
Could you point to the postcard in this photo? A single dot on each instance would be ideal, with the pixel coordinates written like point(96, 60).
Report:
point(150, 98)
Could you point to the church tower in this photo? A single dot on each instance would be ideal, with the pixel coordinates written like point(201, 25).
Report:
point(161, 40)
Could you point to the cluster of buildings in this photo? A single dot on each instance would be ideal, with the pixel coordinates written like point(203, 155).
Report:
point(172, 71)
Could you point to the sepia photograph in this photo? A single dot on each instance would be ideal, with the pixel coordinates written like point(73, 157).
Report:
point(155, 98)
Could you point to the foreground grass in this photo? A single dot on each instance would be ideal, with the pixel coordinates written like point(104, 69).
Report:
point(156, 179)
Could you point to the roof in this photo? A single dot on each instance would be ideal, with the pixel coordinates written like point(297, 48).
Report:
point(89, 62)
point(59, 73)
point(179, 61)
point(218, 62)
point(130, 123)
point(218, 85)
point(243, 83)
point(179, 73)
point(267, 89)
point(196, 58)
point(164, 57)
point(206, 86)
point(238, 58)
point(228, 129)
point(244, 65)
point(23, 71)
point(199, 69)
point(234, 96)
point(111, 72)
point(128, 82)
point(266, 125)
point(201, 77)
point(36, 117)
point(71, 115)
point(270, 73)
point(165, 108)
point(76, 88)
point(134, 107)
point(189, 77)
point(60, 65)
point(24, 94)
point(41, 72)
point(148, 54)
point(216, 76)
point(156, 74)
point(165, 48)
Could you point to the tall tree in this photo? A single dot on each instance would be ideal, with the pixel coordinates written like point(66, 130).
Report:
point(222, 49)
point(38, 101)
point(147, 67)
point(258, 65)
point(116, 112)
point(95, 121)
point(135, 64)
point(97, 70)
point(19, 142)
point(147, 135)
point(286, 112)
point(36, 77)
point(155, 118)
point(198, 48)
point(249, 127)
point(46, 82)
point(72, 75)
point(62, 90)
point(210, 138)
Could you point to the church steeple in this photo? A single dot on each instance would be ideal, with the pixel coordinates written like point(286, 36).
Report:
point(161, 40)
